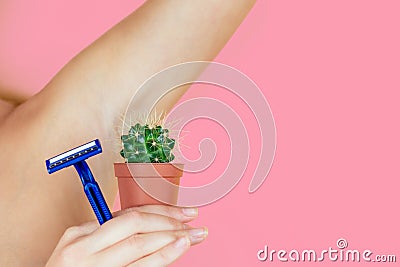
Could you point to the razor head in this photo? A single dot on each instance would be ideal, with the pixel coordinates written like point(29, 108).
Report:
point(73, 156)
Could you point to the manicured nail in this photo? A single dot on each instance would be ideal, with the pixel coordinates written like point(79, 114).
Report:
point(190, 212)
point(197, 235)
point(181, 243)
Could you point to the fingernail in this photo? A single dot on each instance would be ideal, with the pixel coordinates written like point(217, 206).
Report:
point(197, 235)
point(190, 212)
point(181, 243)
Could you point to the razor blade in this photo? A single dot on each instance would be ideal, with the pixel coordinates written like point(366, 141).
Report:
point(77, 157)
point(73, 156)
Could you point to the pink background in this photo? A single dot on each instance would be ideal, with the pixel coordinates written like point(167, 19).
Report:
point(330, 71)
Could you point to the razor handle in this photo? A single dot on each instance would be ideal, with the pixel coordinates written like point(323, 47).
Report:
point(97, 202)
point(93, 192)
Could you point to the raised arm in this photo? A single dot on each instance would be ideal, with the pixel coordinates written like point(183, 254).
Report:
point(157, 35)
point(84, 101)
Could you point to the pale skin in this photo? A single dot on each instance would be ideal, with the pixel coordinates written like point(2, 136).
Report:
point(84, 101)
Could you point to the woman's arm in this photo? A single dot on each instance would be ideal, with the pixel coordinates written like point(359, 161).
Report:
point(159, 34)
point(88, 96)
point(84, 101)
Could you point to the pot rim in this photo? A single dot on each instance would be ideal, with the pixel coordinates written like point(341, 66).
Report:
point(148, 170)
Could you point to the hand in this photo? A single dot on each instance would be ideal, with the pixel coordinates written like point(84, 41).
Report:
point(152, 235)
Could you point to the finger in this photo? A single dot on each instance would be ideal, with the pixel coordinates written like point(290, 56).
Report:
point(141, 245)
point(181, 214)
point(164, 256)
point(74, 232)
point(128, 224)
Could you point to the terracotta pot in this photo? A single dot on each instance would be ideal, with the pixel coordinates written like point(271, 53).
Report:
point(132, 195)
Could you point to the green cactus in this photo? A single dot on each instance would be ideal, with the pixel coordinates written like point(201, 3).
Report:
point(144, 143)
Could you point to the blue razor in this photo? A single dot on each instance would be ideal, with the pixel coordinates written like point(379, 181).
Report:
point(77, 157)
